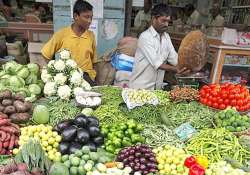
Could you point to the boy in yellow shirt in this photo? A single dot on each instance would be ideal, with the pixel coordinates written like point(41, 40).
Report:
point(76, 38)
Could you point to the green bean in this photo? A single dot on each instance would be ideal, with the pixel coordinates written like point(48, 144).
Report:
point(217, 144)
point(159, 135)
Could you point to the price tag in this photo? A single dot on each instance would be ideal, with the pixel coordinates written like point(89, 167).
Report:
point(185, 131)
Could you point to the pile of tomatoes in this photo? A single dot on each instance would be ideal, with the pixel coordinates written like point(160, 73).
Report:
point(220, 96)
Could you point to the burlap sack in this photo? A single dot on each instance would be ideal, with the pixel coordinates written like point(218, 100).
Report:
point(127, 46)
point(105, 73)
point(193, 51)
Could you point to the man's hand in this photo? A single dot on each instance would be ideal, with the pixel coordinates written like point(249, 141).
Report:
point(183, 71)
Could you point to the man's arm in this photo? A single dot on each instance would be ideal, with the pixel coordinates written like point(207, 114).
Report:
point(51, 47)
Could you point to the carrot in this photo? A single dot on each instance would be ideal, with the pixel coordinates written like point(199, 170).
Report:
point(9, 129)
point(3, 116)
point(2, 136)
point(6, 144)
point(15, 126)
point(12, 141)
point(111, 164)
point(4, 122)
point(7, 137)
point(3, 151)
point(1, 146)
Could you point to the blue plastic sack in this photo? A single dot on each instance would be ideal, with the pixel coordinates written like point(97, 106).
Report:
point(122, 62)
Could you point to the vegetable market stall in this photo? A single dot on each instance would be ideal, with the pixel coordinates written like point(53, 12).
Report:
point(52, 122)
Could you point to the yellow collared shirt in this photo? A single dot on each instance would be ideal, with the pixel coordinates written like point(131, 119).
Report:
point(83, 48)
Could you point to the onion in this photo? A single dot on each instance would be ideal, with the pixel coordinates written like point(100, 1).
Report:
point(132, 152)
point(137, 154)
point(143, 167)
point(137, 160)
point(136, 168)
point(132, 164)
point(131, 158)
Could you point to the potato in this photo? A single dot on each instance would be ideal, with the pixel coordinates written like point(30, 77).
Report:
point(20, 106)
point(9, 110)
point(1, 108)
point(5, 94)
point(20, 117)
point(28, 105)
point(7, 102)
point(20, 97)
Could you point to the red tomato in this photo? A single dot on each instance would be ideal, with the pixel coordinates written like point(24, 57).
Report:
point(233, 102)
point(231, 96)
point(215, 105)
point(240, 103)
point(214, 99)
point(237, 107)
point(241, 108)
point(227, 102)
point(205, 100)
point(202, 93)
point(224, 96)
point(209, 103)
point(220, 100)
point(205, 87)
point(222, 106)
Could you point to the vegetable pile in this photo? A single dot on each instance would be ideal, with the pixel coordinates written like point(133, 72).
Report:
point(14, 168)
point(232, 120)
point(171, 160)
point(23, 79)
point(34, 157)
point(140, 158)
point(198, 115)
point(15, 107)
point(122, 135)
point(84, 161)
point(42, 133)
point(62, 78)
point(224, 95)
point(222, 167)
point(79, 132)
point(180, 94)
point(9, 135)
point(159, 135)
point(217, 144)
point(60, 110)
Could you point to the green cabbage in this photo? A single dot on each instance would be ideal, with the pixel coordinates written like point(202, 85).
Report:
point(2, 73)
point(12, 67)
point(35, 89)
point(31, 79)
point(40, 83)
point(16, 81)
point(23, 73)
point(34, 68)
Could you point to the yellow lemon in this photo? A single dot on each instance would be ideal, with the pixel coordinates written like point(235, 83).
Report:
point(45, 143)
point(51, 141)
point(58, 138)
point(56, 144)
point(54, 134)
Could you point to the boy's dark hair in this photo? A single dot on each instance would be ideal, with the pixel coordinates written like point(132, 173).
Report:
point(82, 6)
point(161, 10)
point(189, 7)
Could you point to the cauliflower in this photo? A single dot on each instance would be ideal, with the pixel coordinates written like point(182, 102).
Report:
point(76, 78)
point(60, 79)
point(50, 89)
point(77, 90)
point(71, 63)
point(86, 85)
point(51, 64)
point(64, 92)
point(64, 54)
point(59, 65)
point(45, 76)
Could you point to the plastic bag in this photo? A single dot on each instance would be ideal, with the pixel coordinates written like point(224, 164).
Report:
point(139, 98)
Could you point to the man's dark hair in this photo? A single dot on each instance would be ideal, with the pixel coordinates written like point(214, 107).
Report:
point(189, 7)
point(82, 6)
point(161, 10)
